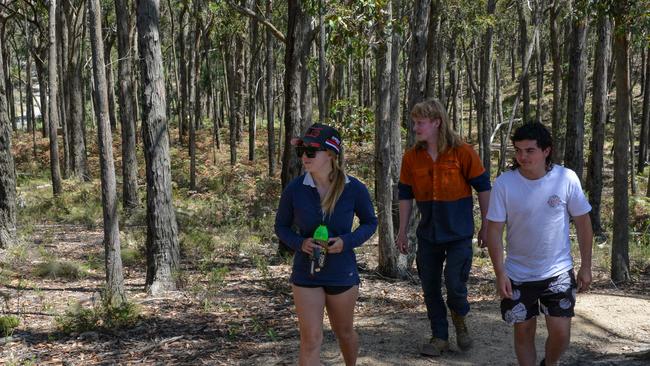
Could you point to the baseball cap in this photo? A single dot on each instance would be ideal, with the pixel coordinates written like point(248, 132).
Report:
point(320, 136)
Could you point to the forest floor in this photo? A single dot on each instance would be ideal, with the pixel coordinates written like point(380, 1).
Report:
point(248, 318)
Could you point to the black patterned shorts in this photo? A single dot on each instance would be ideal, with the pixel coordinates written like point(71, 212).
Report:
point(555, 296)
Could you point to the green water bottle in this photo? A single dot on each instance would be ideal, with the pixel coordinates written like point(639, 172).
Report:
point(321, 236)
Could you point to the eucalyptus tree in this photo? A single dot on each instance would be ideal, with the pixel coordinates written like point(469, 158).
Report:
point(53, 102)
point(123, 17)
point(599, 104)
point(417, 58)
point(113, 260)
point(575, 130)
point(620, 266)
point(163, 257)
point(7, 170)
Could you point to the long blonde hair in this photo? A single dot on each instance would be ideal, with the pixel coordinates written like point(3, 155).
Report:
point(433, 109)
point(337, 178)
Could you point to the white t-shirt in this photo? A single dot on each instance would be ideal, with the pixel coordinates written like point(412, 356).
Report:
point(536, 213)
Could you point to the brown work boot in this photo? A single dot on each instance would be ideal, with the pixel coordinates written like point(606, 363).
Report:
point(463, 339)
point(434, 347)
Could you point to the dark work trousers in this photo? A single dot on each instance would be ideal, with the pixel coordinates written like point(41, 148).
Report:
point(430, 261)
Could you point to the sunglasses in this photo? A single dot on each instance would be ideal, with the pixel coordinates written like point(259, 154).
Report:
point(310, 151)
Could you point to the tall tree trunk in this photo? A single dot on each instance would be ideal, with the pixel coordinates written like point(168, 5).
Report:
point(297, 47)
point(39, 57)
point(113, 260)
point(110, 81)
point(539, 44)
point(556, 109)
point(388, 253)
point(620, 238)
point(74, 91)
point(232, 102)
point(252, 85)
point(417, 60)
point(270, 110)
point(8, 84)
point(240, 84)
point(434, 47)
point(523, 46)
point(7, 169)
point(127, 114)
point(63, 59)
point(163, 257)
point(575, 129)
point(644, 136)
point(594, 181)
point(195, 90)
point(182, 66)
point(53, 105)
point(486, 88)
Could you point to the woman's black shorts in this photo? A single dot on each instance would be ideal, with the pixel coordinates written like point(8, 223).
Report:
point(330, 290)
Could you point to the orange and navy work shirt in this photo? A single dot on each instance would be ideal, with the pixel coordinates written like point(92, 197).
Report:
point(442, 191)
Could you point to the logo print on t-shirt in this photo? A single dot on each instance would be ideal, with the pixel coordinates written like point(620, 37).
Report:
point(554, 201)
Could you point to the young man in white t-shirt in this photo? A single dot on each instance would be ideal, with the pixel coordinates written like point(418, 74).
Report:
point(535, 201)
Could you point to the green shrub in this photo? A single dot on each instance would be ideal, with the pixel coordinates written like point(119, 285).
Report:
point(104, 316)
point(7, 324)
point(60, 270)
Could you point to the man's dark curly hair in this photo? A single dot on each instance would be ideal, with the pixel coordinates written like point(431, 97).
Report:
point(534, 131)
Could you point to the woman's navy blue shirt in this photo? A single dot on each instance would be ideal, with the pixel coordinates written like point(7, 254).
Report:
point(300, 213)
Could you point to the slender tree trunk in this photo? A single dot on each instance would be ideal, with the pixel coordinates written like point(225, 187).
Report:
point(195, 90)
point(182, 65)
point(53, 105)
point(556, 109)
point(620, 238)
point(539, 44)
point(110, 82)
point(523, 46)
point(644, 136)
point(7, 169)
point(574, 153)
point(270, 115)
point(388, 253)
point(252, 85)
point(487, 78)
point(39, 57)
point(8, 85)
point(113, 260)
point(127, 114)
point(434, 46)
point(594, 181)
point(63, 59)
point(74, 87)
point(163, 257)
point(232, 102)
point(417, 59)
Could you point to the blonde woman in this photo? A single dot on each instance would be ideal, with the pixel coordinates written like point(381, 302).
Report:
point(439, 173)
point(324, 195)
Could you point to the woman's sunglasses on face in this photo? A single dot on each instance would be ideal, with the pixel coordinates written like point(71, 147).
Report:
point(310, 151)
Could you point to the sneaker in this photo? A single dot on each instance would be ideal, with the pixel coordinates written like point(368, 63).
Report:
point(434, 347)
point(463, 338)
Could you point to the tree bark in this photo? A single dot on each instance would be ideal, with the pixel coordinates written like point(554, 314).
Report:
point(487, 86)
point(417, 60)
point(7, 169)
point(163, 257)
point(594, 181)
point(270, 110)
point(644, 136)
point(53, 105)
point(575, 129)
point(113, 261)
point(123, 17)
point(388, 253)
point(620, 266)
point(523, 46)
point(556, 56)
point(252, 85)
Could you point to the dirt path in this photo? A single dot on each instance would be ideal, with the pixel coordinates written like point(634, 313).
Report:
point(249, 319)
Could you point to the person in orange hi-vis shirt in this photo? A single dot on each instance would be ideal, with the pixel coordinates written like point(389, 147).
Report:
point(439, 172)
